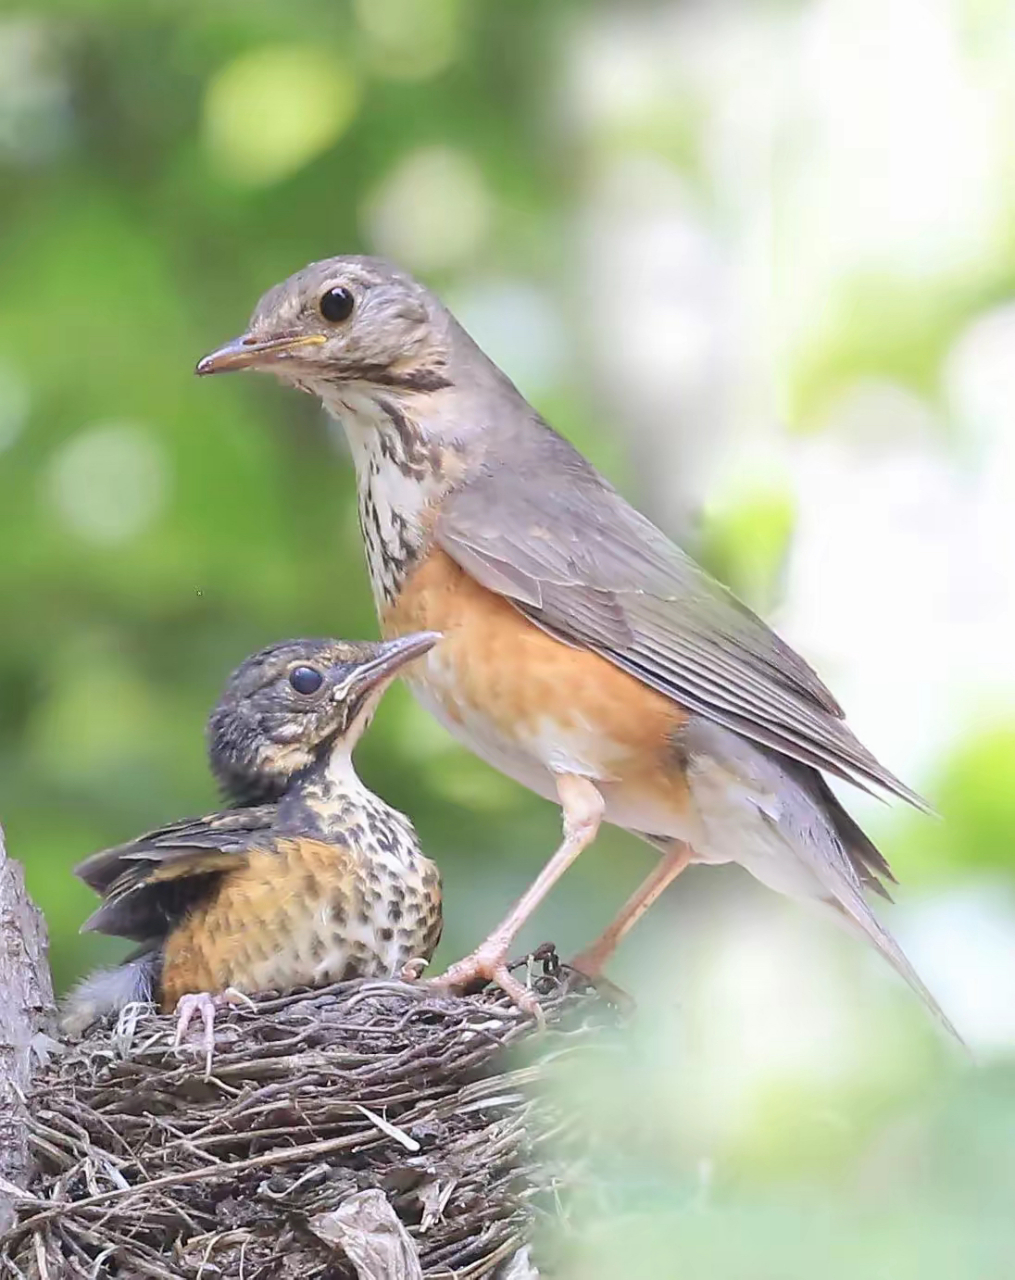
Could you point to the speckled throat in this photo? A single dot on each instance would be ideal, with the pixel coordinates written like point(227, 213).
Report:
point(400, 474)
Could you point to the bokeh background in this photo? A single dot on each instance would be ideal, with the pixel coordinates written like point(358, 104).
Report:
point(758, 260)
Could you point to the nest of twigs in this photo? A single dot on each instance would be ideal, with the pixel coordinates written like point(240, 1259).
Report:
point(367, 1130)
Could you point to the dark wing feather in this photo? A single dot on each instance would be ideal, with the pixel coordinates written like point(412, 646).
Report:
point(148, 883)
point(581, 563)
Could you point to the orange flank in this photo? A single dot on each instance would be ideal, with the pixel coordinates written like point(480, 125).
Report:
point(530, 688)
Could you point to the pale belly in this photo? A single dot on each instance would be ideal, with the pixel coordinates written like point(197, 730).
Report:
point(722, 820)
point(535, 758)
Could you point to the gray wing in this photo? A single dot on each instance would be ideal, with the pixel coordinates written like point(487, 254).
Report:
point(149, 882)
point(580, 562)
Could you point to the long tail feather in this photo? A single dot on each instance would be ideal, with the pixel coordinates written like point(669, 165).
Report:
point(861, 922)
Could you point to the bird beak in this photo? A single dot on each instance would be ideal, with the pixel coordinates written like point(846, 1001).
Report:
point(390, 657)
point(248, 352)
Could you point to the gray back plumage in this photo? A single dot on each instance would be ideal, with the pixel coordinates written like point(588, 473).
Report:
point(543, 528)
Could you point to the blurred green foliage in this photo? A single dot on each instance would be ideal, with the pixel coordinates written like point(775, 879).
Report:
point(930, 1201)
point(162, 162)
point(149, 194)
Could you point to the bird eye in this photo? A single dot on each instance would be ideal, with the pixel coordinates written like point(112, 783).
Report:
point(305, 679)
point(337, 304)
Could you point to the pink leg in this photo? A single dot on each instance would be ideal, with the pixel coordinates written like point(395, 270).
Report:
point(591, 961)
point(583, 812)
point(204, 1003)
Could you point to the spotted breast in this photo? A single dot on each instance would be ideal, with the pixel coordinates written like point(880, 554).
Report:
point(331, 895)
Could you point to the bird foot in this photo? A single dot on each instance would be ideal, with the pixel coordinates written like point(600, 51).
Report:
point(204, 1003)
point(488, 963)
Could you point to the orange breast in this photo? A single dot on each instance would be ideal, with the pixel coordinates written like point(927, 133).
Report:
point(528, 687)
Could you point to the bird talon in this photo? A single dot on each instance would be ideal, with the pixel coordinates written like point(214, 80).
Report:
point(412, 970)
point(490, 967)
point(234, 997)
point(520, 994)
point(204, 1003)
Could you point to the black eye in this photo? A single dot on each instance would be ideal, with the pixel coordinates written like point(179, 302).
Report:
point(305, 679)
point(337, 304)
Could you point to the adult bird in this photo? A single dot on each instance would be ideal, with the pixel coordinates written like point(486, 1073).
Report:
point(309, 879)
point(585, 654)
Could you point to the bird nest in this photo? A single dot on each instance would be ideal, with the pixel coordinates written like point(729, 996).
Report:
point(366, 1130)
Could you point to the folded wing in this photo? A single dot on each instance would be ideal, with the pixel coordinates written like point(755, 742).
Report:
point(583, 564)
point(149, 883)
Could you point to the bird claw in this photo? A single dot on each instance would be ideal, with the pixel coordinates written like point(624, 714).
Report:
point(205, 1004)
point(490, 965)
point(412, 970)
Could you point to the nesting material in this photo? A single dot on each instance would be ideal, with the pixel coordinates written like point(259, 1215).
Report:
point(368, 1130)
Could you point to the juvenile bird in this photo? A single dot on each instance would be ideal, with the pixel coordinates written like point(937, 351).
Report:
point(585, 654)
point(311, 879)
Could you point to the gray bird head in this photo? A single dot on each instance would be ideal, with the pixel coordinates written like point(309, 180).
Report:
point(296, 702)
point(345, 320)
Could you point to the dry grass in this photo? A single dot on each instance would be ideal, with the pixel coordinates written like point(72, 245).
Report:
point(147, 1169)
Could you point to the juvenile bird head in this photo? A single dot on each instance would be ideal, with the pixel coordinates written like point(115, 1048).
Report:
point(345, 320)
point(297, 702)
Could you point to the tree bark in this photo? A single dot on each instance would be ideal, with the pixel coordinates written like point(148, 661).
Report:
point(27, 1019)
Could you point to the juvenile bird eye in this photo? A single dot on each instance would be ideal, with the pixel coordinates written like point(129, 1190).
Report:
point(305, 679)
point(337, 304)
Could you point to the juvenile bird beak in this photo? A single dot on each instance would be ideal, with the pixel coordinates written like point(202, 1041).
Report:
point(390, 657)
point(248, 352)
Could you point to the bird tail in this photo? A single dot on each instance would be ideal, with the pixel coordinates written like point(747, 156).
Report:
point(862, 923)
point(852, 909)
point(866, 869)
point(831, 862)
point(107, 991)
